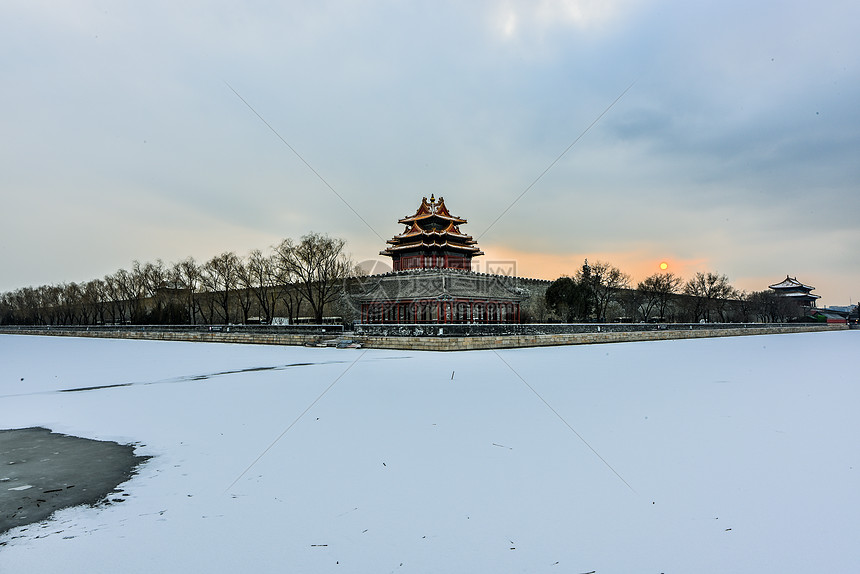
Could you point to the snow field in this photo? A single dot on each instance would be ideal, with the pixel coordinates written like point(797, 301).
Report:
point(740, 455)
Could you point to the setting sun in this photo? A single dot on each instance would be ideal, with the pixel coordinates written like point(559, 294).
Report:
point(664, 265)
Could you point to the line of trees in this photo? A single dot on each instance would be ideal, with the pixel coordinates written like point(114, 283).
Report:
point(308, 279)
point(292, 278)
point(602, 292)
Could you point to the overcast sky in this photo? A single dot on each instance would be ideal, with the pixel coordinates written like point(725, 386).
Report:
point(736, 150)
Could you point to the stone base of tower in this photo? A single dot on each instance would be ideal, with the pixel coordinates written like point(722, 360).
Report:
point(441, 296)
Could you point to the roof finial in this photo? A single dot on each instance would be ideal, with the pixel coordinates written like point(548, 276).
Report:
point(432, 198)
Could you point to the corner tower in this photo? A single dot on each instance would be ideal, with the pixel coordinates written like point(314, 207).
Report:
point(795, 290)
point(433, 281)
point(432, 240)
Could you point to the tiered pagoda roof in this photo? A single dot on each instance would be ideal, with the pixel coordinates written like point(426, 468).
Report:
point(432, 229)
point(432, 279)
point(791, 287)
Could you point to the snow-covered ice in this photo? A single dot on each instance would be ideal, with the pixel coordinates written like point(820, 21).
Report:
point(708, 455)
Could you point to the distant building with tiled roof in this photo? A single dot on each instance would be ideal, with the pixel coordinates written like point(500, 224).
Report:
point(792, 288)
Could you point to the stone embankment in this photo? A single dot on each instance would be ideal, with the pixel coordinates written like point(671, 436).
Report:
point(589, 338)
point(254, 335)
point(575, 335)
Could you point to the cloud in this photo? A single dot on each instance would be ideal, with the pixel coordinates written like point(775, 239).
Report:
point(518, 19)
point(738, 130)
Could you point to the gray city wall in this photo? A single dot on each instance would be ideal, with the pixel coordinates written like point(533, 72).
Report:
point(478, 339)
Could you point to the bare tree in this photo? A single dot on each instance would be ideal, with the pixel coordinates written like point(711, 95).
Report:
point(137, 292)
point(605, 282)
point(28, 306)
point(50, 299)
point(285, 279)
point(312, 270)
point(769, 306)
point(127, 293)
point(709, 292)
point(7, 309)
point(220, 277)
point(259, 277)
point(205, 302)
point(113, 298)
point(149, 300)
point(244, 289)
point(186, 277)
point(94, 295)
point(72, 311)
point(656, 291)
point(319, 265)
